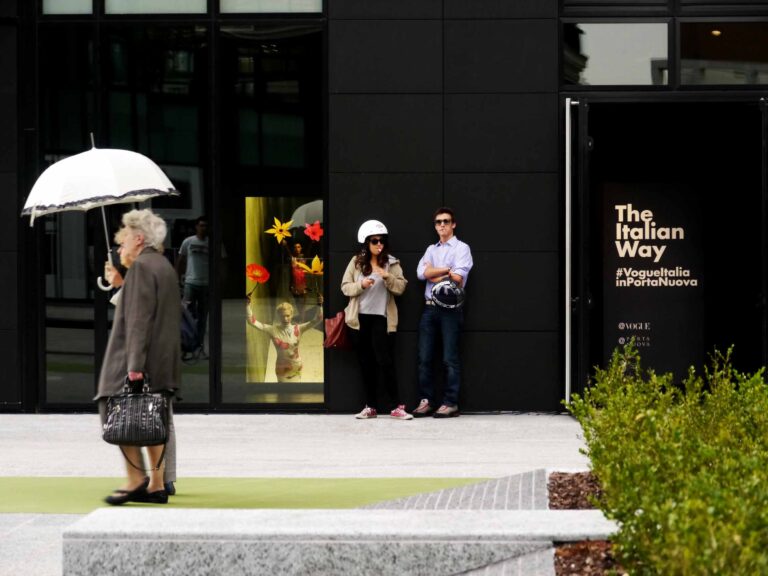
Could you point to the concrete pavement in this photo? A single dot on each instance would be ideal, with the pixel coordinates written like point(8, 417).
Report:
point(299, 446)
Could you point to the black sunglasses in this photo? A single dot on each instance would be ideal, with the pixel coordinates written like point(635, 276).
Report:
point(377, 241)
point(439, 221)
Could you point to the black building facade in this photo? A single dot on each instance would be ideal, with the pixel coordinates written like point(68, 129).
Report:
point(606, 162)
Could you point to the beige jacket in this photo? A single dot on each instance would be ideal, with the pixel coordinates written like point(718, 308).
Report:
point(350, 286)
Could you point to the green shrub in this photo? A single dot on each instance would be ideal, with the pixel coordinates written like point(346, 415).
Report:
point(684, 469)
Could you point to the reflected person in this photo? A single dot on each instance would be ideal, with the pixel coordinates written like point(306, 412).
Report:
point(192, 268)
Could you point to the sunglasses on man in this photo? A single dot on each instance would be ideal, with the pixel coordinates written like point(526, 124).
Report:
point(439, 221)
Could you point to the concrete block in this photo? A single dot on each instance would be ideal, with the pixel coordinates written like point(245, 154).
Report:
point(233, 542)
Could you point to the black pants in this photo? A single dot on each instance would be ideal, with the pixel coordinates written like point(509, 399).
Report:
point(375, 352)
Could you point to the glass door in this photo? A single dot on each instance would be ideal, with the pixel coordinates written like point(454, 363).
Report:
point(668, 240)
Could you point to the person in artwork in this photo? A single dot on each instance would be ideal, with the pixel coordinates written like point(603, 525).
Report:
point(286, 337)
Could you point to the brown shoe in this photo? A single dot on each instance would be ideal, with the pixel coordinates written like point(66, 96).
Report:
point(447, 412)
point(423, 409)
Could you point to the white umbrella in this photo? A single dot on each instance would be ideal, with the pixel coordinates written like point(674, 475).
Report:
point(96, 178)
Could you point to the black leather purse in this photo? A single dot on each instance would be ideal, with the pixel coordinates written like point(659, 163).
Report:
point(137, 418)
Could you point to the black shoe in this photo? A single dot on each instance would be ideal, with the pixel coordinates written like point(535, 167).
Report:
point(156, 497)
point(170, 488)
point(120, 497)
point(143, 485)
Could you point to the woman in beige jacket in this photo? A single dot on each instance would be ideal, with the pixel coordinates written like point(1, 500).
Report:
point(371, 281)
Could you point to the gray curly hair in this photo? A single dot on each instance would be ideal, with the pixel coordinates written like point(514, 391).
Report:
point(149, 224)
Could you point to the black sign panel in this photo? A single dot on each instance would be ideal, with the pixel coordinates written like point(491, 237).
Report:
point(653, 281)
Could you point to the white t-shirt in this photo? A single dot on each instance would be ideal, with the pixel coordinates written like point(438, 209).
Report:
point(196, 252)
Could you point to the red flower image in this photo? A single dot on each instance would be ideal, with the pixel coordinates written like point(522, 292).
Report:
point(315, 231)
point(256, 273)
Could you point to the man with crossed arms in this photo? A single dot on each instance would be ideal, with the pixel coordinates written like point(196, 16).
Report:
point(448, 259)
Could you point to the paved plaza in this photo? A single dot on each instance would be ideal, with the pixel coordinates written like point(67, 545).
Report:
point(277, 446)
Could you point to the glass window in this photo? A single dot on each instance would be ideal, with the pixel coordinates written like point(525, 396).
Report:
point(608, 54)
point(156, 6)
point(156, 103)
point(67, 113)
point(67, 6)
point(271, 182)
point(283, 283)
point(264, 6)
point(723, 53)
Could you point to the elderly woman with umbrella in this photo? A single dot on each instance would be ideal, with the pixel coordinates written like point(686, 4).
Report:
point(144, 342)
point(103, 177)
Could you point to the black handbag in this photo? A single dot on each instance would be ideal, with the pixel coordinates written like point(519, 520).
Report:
point(137, 418)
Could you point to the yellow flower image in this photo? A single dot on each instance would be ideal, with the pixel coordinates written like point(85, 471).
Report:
point(317, 266)
point(280, 230)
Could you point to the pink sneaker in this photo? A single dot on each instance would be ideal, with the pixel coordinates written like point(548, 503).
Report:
point(423, 409)
point(446, 411)
point(400, 413)
point(366, 413)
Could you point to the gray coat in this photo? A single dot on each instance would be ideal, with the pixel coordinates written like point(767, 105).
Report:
point(146, 329)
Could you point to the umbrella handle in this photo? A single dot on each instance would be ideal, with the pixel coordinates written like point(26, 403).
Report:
point(102, 286)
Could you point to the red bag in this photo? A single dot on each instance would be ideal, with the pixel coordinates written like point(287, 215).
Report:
point(337, 333)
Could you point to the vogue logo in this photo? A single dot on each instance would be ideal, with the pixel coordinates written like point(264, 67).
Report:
point(635, 326)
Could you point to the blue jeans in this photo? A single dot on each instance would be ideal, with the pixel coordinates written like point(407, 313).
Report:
point(447, 322)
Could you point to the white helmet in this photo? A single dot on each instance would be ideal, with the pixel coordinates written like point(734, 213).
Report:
point(369, 228)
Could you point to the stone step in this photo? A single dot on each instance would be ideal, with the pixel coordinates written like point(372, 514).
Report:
point(140, 540)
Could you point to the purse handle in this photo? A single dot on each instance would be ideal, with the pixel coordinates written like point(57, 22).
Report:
point(131, 386)
point(159, 462)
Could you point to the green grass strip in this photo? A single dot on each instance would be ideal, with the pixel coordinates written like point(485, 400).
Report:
point(59, 495)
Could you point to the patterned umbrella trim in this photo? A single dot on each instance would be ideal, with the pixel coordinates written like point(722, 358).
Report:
point(96, 201)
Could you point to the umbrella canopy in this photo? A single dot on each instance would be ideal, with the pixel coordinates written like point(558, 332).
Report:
point(308, 213)
point(98, 177)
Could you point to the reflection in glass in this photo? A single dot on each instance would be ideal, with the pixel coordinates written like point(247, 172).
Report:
point(271, 174)
point(265, 6)
point(724, 53)
point(156, 7)
point(67, 6)
point(615, 54)
point(284, 272)
point(67, 111)
point(156, 98)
